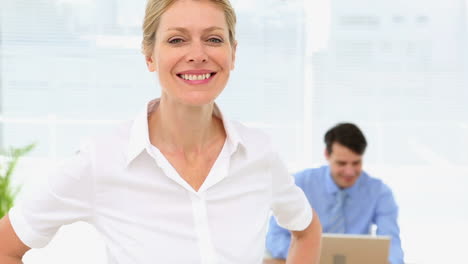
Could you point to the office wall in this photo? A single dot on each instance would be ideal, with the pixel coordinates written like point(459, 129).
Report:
point(396, 68)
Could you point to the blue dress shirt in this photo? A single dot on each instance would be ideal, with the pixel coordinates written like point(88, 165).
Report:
point(369, 202)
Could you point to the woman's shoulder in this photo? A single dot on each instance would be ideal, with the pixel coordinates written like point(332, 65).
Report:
point(250, 134)
point(114, 137)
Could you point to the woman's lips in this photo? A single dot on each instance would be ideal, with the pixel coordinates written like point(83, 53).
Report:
point(196, 77)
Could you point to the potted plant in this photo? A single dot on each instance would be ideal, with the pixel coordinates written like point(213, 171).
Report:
point(8, 163)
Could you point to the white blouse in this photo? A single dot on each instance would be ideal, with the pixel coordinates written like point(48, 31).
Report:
point(147, 213)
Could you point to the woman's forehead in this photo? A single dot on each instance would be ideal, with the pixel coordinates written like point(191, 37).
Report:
point(189, 14)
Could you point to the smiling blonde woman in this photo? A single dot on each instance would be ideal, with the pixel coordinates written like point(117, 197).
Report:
point(180, 183)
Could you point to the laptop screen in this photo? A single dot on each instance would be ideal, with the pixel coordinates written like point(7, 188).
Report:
point(354, 249)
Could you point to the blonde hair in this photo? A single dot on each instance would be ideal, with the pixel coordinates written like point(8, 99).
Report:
point(155, 9)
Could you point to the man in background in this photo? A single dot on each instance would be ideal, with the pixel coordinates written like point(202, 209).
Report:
point(346, 199)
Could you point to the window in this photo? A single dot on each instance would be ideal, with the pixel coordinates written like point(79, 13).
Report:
point(72, 68)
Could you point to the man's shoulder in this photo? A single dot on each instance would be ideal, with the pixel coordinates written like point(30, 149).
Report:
point(313, 171)
point(310, 174)
point(375, 184)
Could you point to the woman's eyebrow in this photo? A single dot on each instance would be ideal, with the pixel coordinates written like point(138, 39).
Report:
point(185, 30)
point(181, 29)
point(213, 29)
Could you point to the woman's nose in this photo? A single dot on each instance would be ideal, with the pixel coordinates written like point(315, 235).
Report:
point(197, 53)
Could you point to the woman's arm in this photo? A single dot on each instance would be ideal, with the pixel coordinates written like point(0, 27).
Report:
point(11, 247)
point(305, 244)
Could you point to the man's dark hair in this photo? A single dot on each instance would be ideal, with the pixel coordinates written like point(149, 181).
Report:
point(348, 135)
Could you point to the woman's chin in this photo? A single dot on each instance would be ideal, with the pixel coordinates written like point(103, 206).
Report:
point(198, 98)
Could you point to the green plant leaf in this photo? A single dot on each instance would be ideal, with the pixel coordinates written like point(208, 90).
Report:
point(7, 166)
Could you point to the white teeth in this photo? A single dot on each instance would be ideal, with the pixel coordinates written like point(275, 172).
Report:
point(195, 77)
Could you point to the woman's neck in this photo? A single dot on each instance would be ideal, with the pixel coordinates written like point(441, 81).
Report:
point(178, 128)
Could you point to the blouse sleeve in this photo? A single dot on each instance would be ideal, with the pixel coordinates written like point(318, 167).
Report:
point(290, 206)
point(66, 197)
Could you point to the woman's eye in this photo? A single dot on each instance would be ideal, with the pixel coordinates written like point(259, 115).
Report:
point(175, 40)
point(215, 40)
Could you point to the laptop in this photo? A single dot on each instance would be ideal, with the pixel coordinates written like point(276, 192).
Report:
point(354, 249)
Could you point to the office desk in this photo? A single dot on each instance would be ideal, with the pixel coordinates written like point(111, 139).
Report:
point(273, 261)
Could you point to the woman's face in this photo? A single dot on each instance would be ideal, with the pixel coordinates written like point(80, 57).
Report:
point(192, 54)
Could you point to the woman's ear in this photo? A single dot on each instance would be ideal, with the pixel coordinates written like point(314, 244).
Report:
point(150, 63)
point(233, 59)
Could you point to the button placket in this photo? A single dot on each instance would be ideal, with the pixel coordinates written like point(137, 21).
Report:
point(200, 216)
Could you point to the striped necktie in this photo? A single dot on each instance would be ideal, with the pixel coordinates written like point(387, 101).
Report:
point(337, 220)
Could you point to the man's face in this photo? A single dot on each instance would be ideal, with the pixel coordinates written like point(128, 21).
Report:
point(345, 165)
